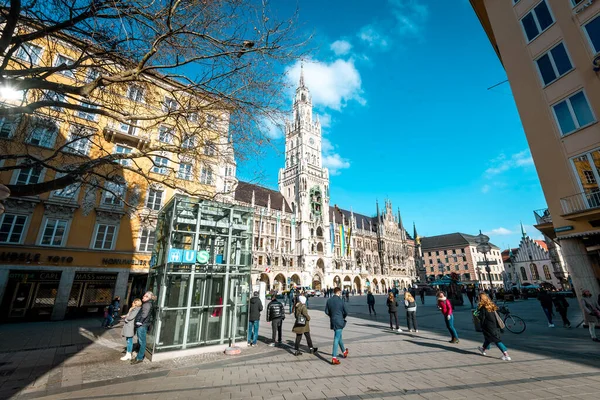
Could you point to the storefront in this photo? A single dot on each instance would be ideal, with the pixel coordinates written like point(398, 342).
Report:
point(30, 295)
point(201, 277)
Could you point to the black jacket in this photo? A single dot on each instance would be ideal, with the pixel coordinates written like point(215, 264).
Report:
point(145, 317)
point(275, 310)
point(336, 310)
point(255, 308)
point(560, 302)
point(370, 298)
point(392, 306)
point(489, 326)
point(546, 300)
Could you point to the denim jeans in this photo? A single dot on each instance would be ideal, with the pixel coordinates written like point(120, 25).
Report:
point(548, 314)
point(450, 326)
point(253, 331)
point(141, 334)
point(337, 341)
point(411, 320)
point(129, 342)
point(501, 346)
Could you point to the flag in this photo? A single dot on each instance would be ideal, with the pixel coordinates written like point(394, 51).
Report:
point(332, 230)
point(293, 249)
point(342, 240)
point(277, 229)
point(349, 241)
point(267, 269)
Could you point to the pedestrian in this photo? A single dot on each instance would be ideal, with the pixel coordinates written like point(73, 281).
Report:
point(490, 325)
point(291, 296)
point(546, 302)
point(471, 295)
point(561, 304)
point(275, 315)
point(113, 312)
point(254, 319)
point(446, 307)
point(302, 326)
point(128, 329)
point(411, 312)
point(347, 295)
point(392, 305)
point(422, 295)
point(143, 322)
point(371, 303)
point(592, 313)
point(336, 310)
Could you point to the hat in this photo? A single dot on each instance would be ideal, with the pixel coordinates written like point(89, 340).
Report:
point(256, 293)
point(302, 299)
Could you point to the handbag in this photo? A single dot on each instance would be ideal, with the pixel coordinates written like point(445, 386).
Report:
point(499, 321)
point(300, 320)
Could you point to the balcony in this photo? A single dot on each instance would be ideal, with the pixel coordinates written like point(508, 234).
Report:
point(126, 133)
point(542, 216)
point(581, 205)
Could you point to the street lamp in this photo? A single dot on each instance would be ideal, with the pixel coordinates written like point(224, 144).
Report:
point(484, 247)
point(441, 267)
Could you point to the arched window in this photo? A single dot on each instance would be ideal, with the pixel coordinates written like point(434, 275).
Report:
point(319, 232)
point(320, 247)
point(312, 232)
point(535, 275)
point(523, 274)
point(547, 273)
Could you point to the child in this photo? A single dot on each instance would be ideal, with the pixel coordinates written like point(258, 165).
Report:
point(105, 321)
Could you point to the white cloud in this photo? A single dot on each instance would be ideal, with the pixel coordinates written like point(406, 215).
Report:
point(325, 119)
point(331, 85)
point(373, 38)
point(502, 163)
point(341, 47)
point(485, 188)
point(335, 163)
point(272, 129)
point(499, 231)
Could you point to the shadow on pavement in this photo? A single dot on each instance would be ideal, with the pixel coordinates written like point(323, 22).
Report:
point(441, 347)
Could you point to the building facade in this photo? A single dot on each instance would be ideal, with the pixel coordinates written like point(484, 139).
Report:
point(68, 252)
point(301, 238)
point(550, 49)
point(457, 252)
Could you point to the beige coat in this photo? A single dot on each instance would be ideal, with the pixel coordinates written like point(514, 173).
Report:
point(300, 329)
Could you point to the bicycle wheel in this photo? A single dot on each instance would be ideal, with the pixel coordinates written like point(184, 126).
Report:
point(514, 324)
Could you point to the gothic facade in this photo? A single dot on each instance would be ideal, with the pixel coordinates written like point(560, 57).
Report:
point(301, 238)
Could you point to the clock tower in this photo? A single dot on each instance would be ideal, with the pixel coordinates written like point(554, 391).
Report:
point(305, 185)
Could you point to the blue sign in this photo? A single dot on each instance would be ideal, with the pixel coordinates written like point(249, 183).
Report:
point(182, 256)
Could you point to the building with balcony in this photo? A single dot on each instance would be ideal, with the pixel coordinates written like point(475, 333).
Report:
point(457, 252)
point(550, 50)
point(69, 252)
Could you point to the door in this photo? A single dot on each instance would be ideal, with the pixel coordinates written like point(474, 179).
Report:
point(21, 299)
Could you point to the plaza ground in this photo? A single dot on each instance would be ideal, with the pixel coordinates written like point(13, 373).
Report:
point(80, 360)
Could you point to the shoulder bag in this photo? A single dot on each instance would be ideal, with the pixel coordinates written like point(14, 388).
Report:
point(300, 319)
point(499, 321)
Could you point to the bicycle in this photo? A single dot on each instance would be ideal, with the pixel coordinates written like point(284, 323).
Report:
point(513, 323)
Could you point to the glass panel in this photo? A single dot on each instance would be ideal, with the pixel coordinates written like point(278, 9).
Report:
point(177, 290)
point(563, 115)
point(546, 70)
point(561, 59)
point(585, 174)
point(173, 322)
point(582, 109)
point(530, 27)
point(593, 31)
point(543, 15)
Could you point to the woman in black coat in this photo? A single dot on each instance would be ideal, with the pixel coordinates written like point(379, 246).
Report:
point(486, 312)
point(393, 310)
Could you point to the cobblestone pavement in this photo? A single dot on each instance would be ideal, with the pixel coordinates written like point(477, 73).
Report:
point(79, 360)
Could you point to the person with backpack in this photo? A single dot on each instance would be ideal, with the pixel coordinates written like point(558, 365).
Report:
point(254, 319)
point(301, 326)
point(392, 305)
point(561, 304)
point(446, 308)
point(275, 315)
point(491, 325)
point(371, 302)
point(411, 312)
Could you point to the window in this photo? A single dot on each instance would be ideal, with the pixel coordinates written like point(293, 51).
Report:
point(547, 273)
point(587, 168)
point(160, 165)
point(523, 274)
point(68, 192)
point(105, 236)
point(29, 52)
point(535, 275)
point(7, 126)
point(206, 176)
point(170, 104)
point(589, 177)
point(575, 2)
point(43, 133)
point(185, 171)
point(54, 232)
point(147, 240)
point(11, 228)
point(592, 30)
point(429, 253)
point(554, 64)
point(135, 93)
point(78, 141)
point(537, 21)
point(165, 134)
point(193, 117)
point(91, 75)
point(123, 150)
point(113, 193)
point(210, 121)
point(209, 148)
point(155, 197)
point(573, 113)
point(90, 116)
point(54, 97)
point(67, 62)
point(188, 142)
point(28, 176)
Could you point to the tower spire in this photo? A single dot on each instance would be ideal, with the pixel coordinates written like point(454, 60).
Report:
point(301, 83)
point(523, 233)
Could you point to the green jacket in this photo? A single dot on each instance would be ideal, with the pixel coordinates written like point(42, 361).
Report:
point(300, 329)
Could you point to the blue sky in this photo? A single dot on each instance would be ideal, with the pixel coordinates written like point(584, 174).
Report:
point(401, 88)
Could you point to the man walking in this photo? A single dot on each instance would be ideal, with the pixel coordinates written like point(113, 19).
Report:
point(562, 305)
point(546, 302)
point(143, 321)
point(292, 298)
point(371, 303)
point(275, 315)
point(471, 296)
point(254, 319)
point(336, 310)
point(422, 293)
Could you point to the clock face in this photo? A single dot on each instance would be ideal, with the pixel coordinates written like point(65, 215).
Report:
point(311, 141)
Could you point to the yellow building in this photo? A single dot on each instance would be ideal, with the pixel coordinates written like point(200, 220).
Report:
point(550, 50)
point(68, 252)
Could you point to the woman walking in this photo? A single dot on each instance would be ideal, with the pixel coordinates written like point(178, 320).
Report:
point(392, 305)
point(411, 312)
point(301, 326)
point(129, 327)
point(486, 312)
point(446, 307)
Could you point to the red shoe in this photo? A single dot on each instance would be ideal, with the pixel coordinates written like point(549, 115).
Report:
point(335, 361)
point(346, 353)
